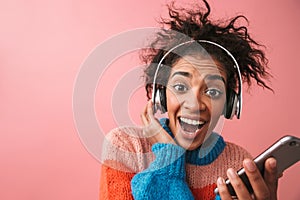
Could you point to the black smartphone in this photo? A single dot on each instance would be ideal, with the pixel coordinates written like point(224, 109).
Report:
point(286, 151)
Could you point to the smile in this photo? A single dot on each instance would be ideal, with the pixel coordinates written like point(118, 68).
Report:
point(190, 126)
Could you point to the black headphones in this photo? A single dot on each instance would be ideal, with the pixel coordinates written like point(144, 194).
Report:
point(233, 99)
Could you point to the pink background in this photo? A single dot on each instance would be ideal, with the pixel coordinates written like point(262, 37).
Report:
point(42, 46)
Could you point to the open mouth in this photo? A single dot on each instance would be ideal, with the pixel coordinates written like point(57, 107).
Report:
point(190, 126)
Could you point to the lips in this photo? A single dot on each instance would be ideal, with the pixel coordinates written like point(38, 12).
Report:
point(190, 127)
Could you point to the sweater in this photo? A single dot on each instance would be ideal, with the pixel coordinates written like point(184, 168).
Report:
point(132, 168)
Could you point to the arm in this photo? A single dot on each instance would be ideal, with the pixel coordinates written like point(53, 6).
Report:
point(115, 184)
point(120, 162)
point(165, 177)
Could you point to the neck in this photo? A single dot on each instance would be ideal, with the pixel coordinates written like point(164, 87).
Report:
point(205, 153)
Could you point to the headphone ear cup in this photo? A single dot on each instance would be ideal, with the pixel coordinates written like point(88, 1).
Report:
point(231, 104)
point(163, 100)
point(160, 100)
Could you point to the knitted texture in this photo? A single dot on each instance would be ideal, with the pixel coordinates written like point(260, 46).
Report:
point(166, 172)
point(132, 167)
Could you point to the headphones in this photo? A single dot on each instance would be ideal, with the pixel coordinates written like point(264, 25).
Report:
point(233, 105)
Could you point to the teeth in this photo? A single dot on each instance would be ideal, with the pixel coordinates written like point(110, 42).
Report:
point(191, 122)
point(189, 133)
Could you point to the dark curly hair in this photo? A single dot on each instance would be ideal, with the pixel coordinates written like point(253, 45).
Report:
point(195, 24)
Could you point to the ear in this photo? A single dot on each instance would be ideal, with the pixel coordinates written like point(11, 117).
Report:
point(149, 90)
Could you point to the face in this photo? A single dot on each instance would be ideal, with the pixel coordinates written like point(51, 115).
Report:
point(196, 94)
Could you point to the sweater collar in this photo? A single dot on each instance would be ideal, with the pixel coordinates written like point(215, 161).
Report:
point(204, 154)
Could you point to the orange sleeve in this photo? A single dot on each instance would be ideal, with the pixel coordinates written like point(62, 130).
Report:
point(115, 184)
point(120, 161)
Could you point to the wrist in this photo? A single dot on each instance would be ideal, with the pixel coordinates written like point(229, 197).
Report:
point(169, 158)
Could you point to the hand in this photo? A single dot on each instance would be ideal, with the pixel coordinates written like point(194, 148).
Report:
point(152, 128)
point(265, 188)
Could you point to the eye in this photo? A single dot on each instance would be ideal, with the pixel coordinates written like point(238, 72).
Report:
point(213, 93)
point(180, 87)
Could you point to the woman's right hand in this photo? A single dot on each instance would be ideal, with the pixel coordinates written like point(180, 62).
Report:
point(152, 128)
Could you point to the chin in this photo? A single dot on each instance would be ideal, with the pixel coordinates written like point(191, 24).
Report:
point(191, 140)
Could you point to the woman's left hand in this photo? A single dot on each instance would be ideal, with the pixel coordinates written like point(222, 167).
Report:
point(264, 187)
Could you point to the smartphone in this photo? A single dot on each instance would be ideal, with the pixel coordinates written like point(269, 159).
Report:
point(286, 151)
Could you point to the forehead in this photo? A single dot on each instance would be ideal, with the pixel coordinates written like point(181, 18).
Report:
point(198, 65)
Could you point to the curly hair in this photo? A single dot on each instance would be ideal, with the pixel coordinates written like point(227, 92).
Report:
point(196, 24)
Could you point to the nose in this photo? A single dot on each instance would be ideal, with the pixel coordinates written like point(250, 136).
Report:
point(195, 101)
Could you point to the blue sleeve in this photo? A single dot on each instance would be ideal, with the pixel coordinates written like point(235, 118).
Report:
point(165, 177)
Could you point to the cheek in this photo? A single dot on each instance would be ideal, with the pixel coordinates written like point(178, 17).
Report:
point(172, 102)
point(217, 108)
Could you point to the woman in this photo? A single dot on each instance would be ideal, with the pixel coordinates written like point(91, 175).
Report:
point(196, 81)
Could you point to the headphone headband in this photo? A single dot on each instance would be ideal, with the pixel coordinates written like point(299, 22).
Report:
point(236, 66)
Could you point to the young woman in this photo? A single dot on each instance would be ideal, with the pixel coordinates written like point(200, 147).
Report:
point(196, 80)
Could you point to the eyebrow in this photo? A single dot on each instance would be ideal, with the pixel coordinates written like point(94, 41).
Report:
point(181, 73)
point(208, 77)
point(215, 77)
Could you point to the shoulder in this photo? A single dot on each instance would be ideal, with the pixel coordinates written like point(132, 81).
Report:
point(127, 138)
point(127, 148)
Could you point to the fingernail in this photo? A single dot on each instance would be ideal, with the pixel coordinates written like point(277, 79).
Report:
point(249, 164)
point(220, 181)
point(231, 173)
point(273, 163)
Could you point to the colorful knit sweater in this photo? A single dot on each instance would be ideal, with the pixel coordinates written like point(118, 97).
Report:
point(132, 168)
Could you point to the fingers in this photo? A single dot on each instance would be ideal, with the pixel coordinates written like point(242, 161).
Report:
point(144, 115)
point(152, 128)
point(149, 109)
point(260, 188)
point(271, 178)
point(151, 124)
point(238, 185)
point(147, 115)
point(264, 187)
point(223, 191)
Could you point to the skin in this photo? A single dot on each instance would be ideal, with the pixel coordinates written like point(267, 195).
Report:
point(196, 90)
point(195, 86)
point(264, 187)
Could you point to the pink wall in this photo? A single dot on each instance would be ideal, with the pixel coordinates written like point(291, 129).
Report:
point(42, 46)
